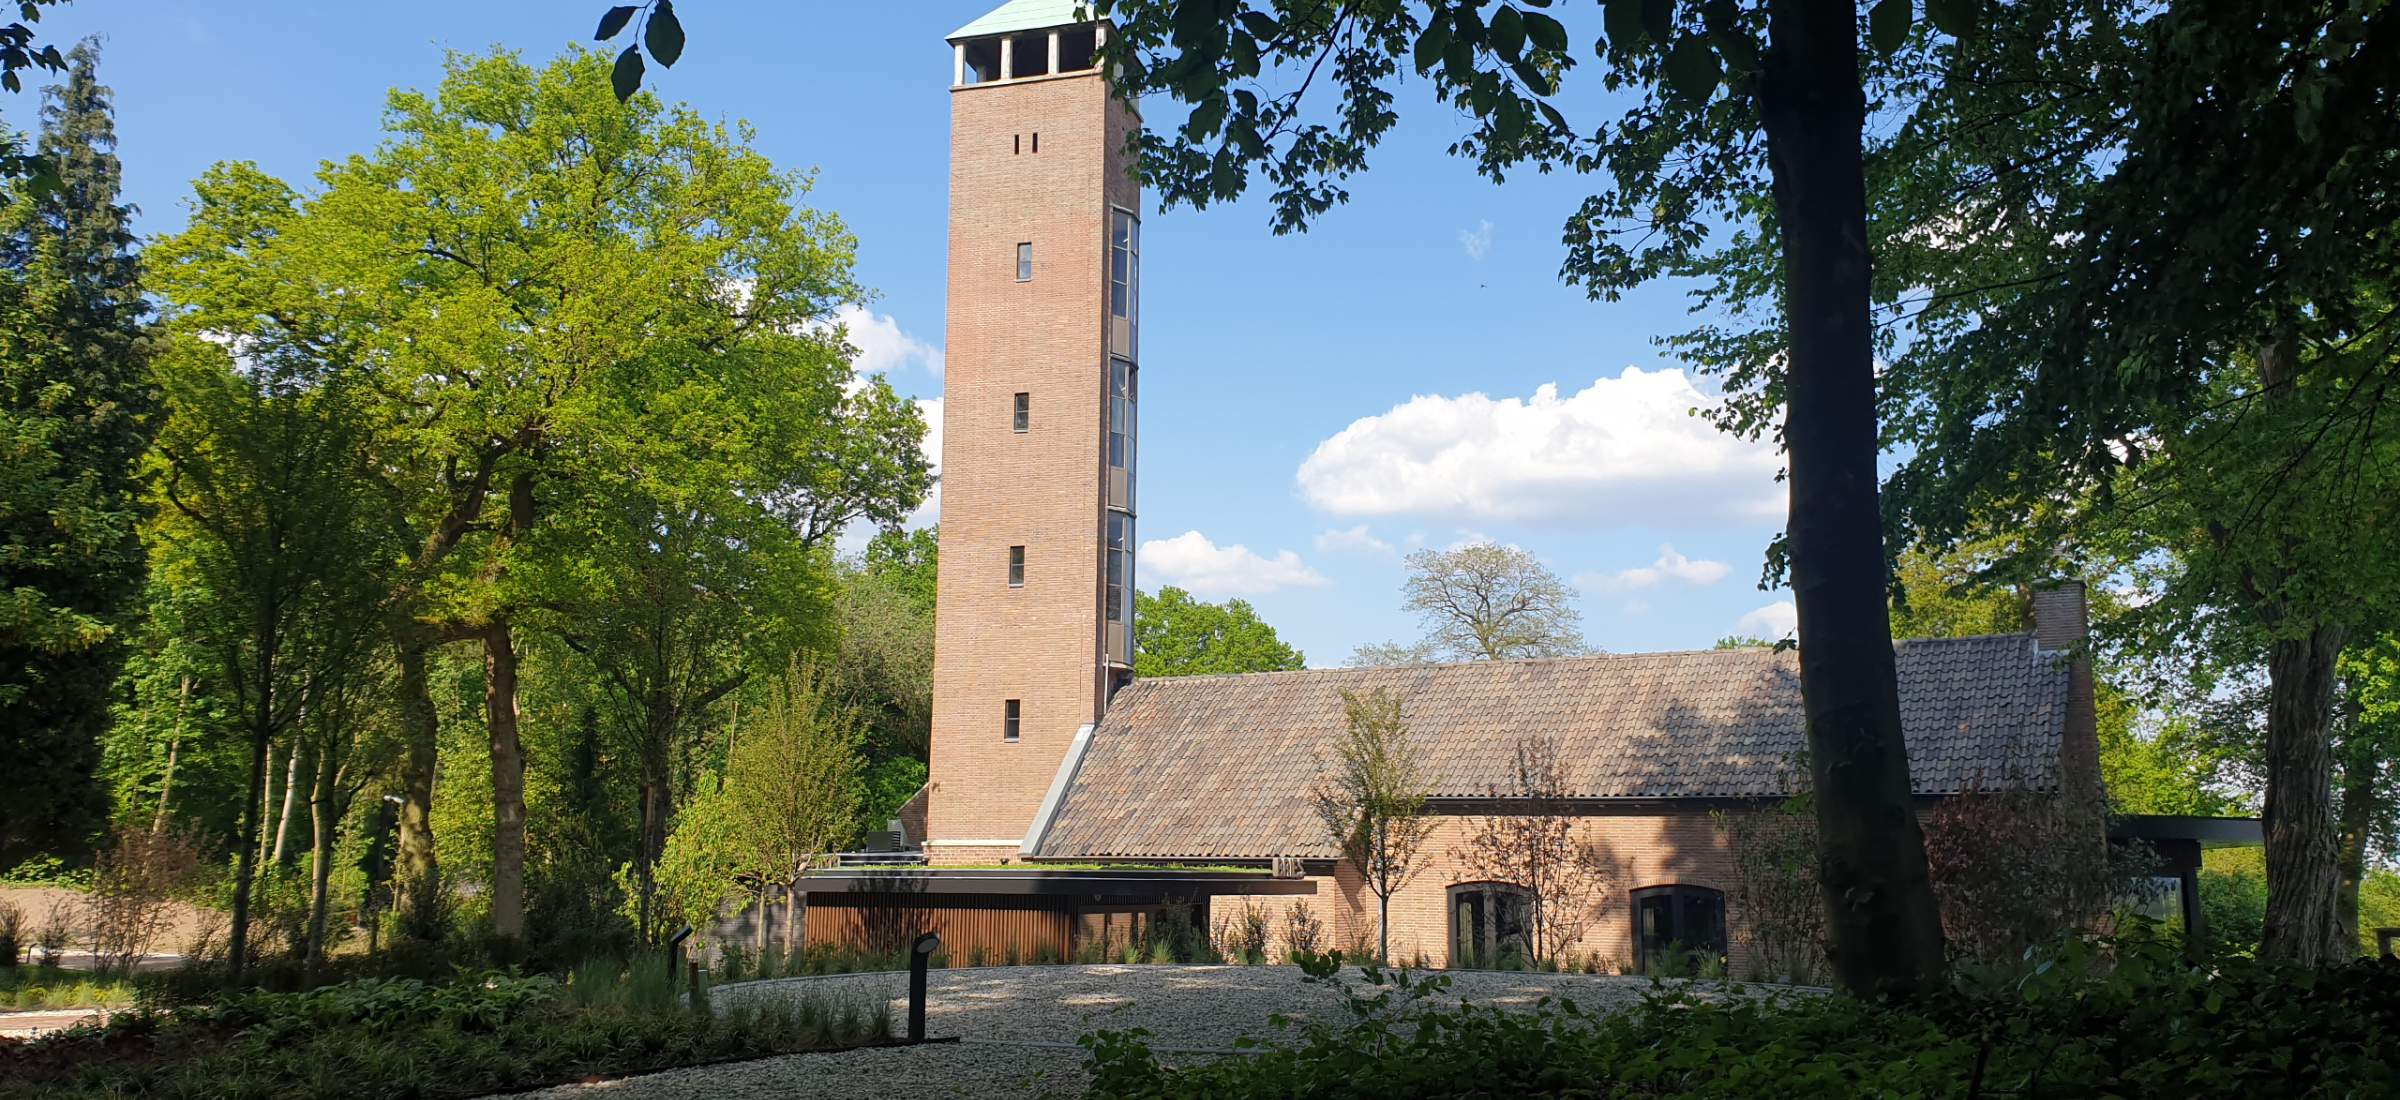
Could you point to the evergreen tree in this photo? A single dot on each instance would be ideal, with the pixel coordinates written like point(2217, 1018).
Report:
point(74, 405)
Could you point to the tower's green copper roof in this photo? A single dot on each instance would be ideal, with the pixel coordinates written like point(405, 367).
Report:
point(1021, 15)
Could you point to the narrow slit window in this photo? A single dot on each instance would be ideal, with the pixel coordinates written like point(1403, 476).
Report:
point(1025, 262)
point(1037, 141)
point(1016, 144)
point(1023, 415)
point(1016, 567)
point(1010, 715)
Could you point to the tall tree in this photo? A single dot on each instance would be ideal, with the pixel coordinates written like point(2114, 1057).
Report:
point(1483, 602)
point(524, 257)
point(1721, 131)
point(268, 512)
point(1371, 800)
point(75, 402)
point(1176, 635)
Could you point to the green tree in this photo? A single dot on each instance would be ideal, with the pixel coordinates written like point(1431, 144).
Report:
point(75, 401)
point(795, 778)
point(1371, 801)
point(1176, 635)
point(884, 668)
point(2367, 752)
point(2153, 350)
point(269, 513)
point(523, 259)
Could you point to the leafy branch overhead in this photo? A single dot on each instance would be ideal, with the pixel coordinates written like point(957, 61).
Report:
point(662, 36)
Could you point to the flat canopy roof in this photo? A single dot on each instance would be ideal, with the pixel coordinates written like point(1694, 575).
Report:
point(2211, 832)
point(1130, 885)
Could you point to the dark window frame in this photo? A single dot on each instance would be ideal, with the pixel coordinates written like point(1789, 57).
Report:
point(1024, 261)
point(1021, 414)
point(1694, 914)
point(1012, 719)
point(1016, 567)
point(1490, 904)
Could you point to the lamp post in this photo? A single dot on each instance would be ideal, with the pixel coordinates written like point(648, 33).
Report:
point(920, 955)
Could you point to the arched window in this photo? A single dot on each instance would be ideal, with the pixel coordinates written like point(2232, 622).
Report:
point(1488, 924)
point(1677, 918)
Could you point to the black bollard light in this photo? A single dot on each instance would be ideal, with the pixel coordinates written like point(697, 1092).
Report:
point(674, 947)
point(920, 956)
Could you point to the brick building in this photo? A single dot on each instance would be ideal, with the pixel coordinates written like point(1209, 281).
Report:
point(1047, 759)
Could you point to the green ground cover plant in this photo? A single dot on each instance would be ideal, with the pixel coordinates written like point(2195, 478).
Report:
point(26, 988)
point(475, 1033)
point(2130, 1017)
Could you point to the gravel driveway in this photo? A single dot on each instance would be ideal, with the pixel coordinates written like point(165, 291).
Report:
point(1019, 1026)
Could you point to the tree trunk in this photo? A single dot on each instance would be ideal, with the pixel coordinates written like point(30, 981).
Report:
point(791, 921)
point(418, 882)
point(166, 785)
point(1883, 932)
point(1383, 927)
point(2360, 806)
point(2303, 925)
point(508, 780)
point(758, 931)
point(253, 820)
point(266, 805)
point(291, 801)
point(324, 817)
point(653, 795)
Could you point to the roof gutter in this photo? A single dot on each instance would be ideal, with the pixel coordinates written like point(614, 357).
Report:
point(1067, 767)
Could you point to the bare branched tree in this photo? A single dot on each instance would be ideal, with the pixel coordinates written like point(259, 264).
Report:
point(1533, 847)
point(1486, 602)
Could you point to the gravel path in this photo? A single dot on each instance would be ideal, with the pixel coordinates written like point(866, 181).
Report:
point(1019, 1026)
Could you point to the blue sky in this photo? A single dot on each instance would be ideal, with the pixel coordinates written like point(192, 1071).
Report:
point(1409, 373)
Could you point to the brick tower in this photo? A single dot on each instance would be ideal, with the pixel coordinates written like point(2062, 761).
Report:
point(1035, 620)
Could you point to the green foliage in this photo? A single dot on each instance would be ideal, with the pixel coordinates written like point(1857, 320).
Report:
point(1371, 802)
point(75, 417)
point(2126, 1018)
point(794, 780)
point(25, 988)
point(1176, 635)
point(475, 1033)
point(884, 667)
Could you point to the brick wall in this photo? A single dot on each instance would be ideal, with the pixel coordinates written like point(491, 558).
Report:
point(1041, 489)
point(1644, 851)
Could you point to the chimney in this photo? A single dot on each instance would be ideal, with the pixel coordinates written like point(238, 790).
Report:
point(2061, 624)
point(2061, 618)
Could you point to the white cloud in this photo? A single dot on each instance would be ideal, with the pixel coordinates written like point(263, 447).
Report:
point(1193, 562)
point(1774, 622)
point(1477, 241)
point(883, 348)
point(1355, 538)
point(1670, 566)
point(1623, 447)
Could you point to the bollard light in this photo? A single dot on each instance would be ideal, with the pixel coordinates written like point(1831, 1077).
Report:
point(920, 956)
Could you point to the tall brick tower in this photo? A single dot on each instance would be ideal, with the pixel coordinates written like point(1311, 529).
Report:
point(1035, 625)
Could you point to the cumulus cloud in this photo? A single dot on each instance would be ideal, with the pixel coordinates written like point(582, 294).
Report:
point(883, 347)
point(1623, 447)
point(1355, 538)
point(1774, 622)
point(1670, 566)
point(1191, 561)
point(1477, 241)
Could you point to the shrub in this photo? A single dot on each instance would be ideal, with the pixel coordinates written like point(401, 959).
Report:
point(1242, 934)
point(2125, 1017)
point(12, 926)
point(58, 927)
point(133, 885)
point(1303, 931)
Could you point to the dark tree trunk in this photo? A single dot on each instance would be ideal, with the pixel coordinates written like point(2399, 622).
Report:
point(508, 780)
point(418, 882)
point(2361, 803)
point(1883, 932)
point(2303, 925)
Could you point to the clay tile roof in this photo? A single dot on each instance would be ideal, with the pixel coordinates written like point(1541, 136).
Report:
point(1220, 767)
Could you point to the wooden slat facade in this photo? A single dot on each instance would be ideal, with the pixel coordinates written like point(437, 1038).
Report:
point(997, 926)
